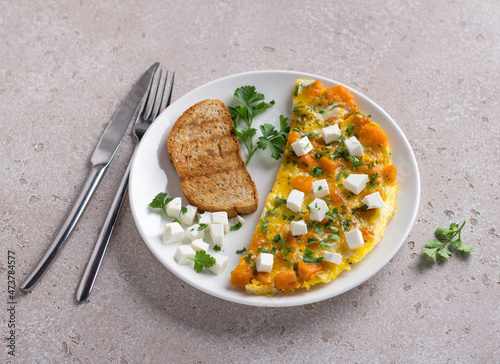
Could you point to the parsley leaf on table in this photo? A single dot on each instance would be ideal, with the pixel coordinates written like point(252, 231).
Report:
point(202, 260)
point(160, 201)
point(437, 248)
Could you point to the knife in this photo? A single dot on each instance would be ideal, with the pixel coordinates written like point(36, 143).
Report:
point(103, 154)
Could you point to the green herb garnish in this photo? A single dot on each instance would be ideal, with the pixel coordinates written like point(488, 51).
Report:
point(435, 248)
point(252, 104)
point(202, 260)
point(236, 227)
point(160, 201)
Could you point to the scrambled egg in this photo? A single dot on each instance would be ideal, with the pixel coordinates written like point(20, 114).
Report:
point(303, 260)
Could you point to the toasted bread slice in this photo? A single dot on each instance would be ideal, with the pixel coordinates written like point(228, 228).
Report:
point(206, 154)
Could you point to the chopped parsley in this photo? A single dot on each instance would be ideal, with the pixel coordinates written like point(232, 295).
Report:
point(160, 201)
point(236, 227)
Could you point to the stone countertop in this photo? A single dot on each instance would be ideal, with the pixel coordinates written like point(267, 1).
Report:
point(434, 66)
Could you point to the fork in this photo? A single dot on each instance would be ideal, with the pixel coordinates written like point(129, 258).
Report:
point(152, 106)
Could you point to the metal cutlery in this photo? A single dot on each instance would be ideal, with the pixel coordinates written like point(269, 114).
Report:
point(158, 99)
point(101, 158)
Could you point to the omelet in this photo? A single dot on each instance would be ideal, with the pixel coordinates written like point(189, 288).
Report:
point(334, 193)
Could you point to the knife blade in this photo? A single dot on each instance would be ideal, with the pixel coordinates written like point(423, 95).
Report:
point(100, 160)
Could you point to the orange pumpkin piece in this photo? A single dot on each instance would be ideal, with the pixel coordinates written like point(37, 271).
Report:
point(339, 93)
point(303, 183)
point(338, 197)
point(372, 135)
point(286, 280)
point(307, 270)
point(293, 137)
point(313, 90)
point(390, 173)
point(242, 275)
point(306, 162)
point(329, 166)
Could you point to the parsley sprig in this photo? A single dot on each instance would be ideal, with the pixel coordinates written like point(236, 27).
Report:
point(252, 104)
point(160, 201)
point(437, 247)
point(202, 260)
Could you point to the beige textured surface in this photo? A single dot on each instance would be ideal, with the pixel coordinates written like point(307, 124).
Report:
point(434, 66)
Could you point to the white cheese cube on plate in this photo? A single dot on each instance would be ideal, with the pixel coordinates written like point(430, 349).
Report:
point(354, 239)
point(318, 209)
point(193, 232)
point(205, 218)
point(199, 244)
point(320, 188)
point(174, 207)
point(189, 214)
point(182, 254)
point(330, 133)
point(220, 263)
point(294, 200)
point(334, 258)
point(265, 262)
point(217, 234)
point(172, 233)
point(374, 201)
point(356, 182)
point(298, 227)
point(220, 217)
point(302, 146)
point(354, 147)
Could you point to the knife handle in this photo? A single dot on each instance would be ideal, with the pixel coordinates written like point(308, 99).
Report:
point(102, 242)
point(64, 233)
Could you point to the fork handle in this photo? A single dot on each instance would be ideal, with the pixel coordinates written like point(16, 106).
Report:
point(64, 233)
point(102, 242)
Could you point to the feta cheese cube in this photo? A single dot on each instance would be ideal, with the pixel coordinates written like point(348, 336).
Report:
point(189, 214)
point(334, 258)
point(331, 133)
point(298, 227)
point(356, 182)
point(217, 234)
point(174, 207)
point(182, 254)
point(265, 262)
point(320, 188)
point(199, 244)
point(374, 201)
point(220, 263)
point(172, 233)
point(221, 218)
point(193, 232)
point(354, 239)
point(354, 147)
point(318, 209)
point(205, 218)
point(295, 200)
point(302, 146)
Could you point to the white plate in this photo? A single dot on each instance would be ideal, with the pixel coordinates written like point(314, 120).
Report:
point(152, 172)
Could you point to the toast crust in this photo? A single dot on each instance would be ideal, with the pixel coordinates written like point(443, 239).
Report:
point(205, 152)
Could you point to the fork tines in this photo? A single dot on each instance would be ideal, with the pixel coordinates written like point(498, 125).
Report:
point(158, 99)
